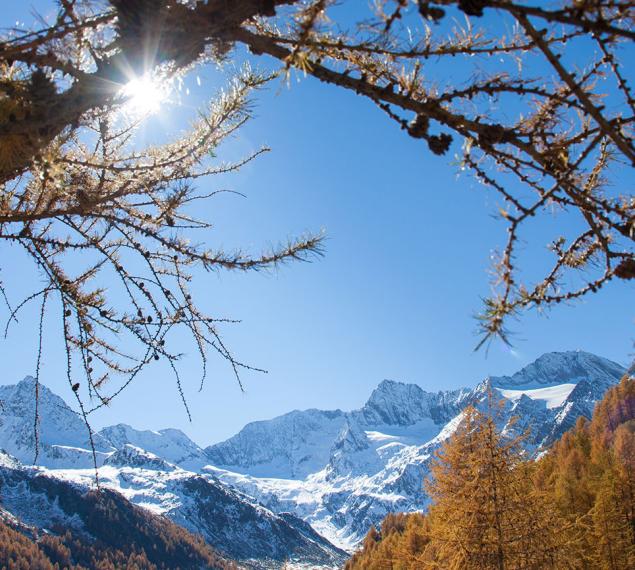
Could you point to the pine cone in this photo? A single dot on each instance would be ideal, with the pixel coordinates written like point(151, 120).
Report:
point(626, 269)
point(418, 127)
point(472, 7)
point(439, 144)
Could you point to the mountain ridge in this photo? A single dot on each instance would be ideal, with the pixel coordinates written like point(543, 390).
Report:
point(379, 459)
point(337, 471)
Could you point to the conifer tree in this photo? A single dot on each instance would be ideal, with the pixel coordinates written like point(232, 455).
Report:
point(612, 530)
point(624, 449)
point(573, 508)
point(589, 475)
point(399, 546)
point(551, 139)
point(484, 513)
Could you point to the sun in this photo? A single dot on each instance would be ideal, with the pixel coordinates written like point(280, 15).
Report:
point(144, 95)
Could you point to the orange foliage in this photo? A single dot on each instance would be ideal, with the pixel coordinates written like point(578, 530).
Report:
point(494, 509)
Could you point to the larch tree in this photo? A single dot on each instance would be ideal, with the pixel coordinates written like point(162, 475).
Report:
point(484, 512)
point(399, 546)
point(612, 526)
point(111, 227)
point(611, 476)
point(589, 476)
point(497, 83)
point(624, 449)
point(573, 507)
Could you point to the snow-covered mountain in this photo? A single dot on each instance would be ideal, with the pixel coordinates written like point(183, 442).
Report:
point(145, 468)
point(169, 444)
point(380, 456)
point(290, 446)
point(556, 368)
point(395, 403)
point(63, 436)
point(235, 524)
point(297, 444)
point(338, 471)
point(94, 525)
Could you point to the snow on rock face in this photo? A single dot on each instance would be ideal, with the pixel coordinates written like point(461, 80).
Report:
point(300, 443)
point(170, 444)
point(555, 368)
point(396, 403)
point(228, 520)
point(381, 457)
point(338, 471)
point(63, 436)
point(131, 456)
point(289, 446)
point(352, 453)
point(552, 396)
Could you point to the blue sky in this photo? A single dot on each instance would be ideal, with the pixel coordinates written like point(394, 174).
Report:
point(407, 258)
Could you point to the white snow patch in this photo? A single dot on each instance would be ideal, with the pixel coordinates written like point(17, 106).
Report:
point(554, 396)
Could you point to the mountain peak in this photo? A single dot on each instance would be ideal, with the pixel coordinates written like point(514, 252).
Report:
point(388, 384)
point(133, 456)
point(62, 433)
point(28, 379)
point(394, 388)
point(170, 444)
point(26, 387)
point(568, 367)
point(396, 403)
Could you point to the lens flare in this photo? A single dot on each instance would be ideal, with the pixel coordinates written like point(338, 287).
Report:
point(144, 95)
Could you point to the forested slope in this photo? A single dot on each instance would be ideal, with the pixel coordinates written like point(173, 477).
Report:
point(495, 508)
point(108, 533)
